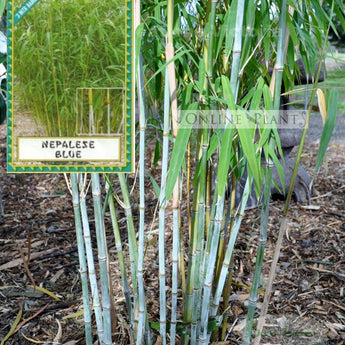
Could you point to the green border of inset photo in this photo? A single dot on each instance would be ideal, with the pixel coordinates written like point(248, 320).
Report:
point(127, 162)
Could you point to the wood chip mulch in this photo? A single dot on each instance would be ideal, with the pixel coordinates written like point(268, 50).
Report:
point(308, 294)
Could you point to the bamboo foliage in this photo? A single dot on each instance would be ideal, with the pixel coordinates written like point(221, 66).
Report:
point(324, 142)
point(278, 74)
point(65, 45)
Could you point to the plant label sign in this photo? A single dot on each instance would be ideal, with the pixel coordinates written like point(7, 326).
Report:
point(70, 87)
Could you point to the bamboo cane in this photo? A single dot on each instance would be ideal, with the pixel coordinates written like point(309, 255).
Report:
point(91, 112)
point(278, 72)
point(142, 129)
point(210, 270)
point(174, 287)
point(133, 250)
point(162, 207)
point(82, 260)
point(188, 294)
point(90, 260)
point(102, 258)
point(234, 84)
point(172, 90)
point(119, 250)
point(229, 251)
point(283, 224)
point(195, 269)
point(235, 67)
point(108, 110)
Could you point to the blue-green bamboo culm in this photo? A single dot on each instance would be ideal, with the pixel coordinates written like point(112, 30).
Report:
point(278, 70)
point(102, 257)
point(118, 243)
point(82, 260)
point(90, 258)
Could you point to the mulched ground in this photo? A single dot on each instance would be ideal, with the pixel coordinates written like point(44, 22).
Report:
point(308, 297)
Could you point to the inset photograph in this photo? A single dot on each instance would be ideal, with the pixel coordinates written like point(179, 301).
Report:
point(70, 78)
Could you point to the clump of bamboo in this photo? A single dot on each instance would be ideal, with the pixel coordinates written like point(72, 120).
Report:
point(63, 46)
point(195, 75)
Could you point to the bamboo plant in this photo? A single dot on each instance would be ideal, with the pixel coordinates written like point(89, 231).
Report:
point(63, 46)
point(193, 61)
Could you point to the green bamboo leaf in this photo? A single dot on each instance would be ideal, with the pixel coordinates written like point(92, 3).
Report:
point(222, 31)
point(318, 33)
point(214, 143)
point(292, 31)
point(185, 66)
point(214, 323)
point(189, 19)
point(319, 13)
point(181, 327)
point(178, 153)
point(187, 96)
point(217, 99)
point(332, 104)
point(249, 25)
point(265, 133)
point(197, 173)
point(340, 16)
point(163, 66)
point(246, 132)
point(270, 115)
point(155, 185)
point(13, 327)
point(228, 93)
point(202, 75)
point(2, 6)
point(246, 99)
point(266, 22)
point(290, 56)
point(279, 167)
point(278, 142)
point(322, 18)
point(256, 100)
point(157, 154)
point(227, 30)
point(155, 325)
point(226, 152)
point(267, 97)
point(230, 34)
point(267, 45)
point(3, 58)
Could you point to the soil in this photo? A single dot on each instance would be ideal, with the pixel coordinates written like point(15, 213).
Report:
point(307, 304)
point(27, 126)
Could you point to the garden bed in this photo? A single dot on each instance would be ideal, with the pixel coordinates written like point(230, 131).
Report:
point(307, 305)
